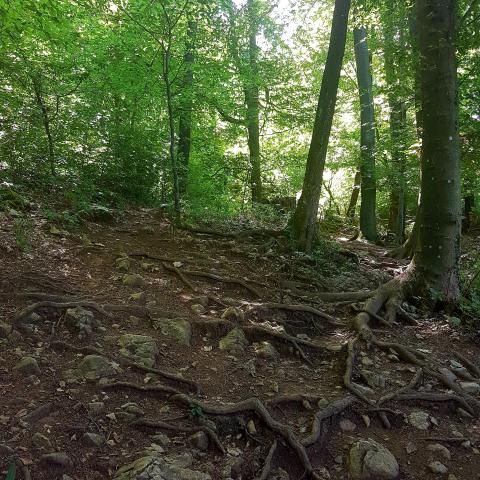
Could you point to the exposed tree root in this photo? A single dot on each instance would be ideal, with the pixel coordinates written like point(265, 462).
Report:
point(335, 408)
point(470, 366)
point(267, 466)
point(410, 386)
point(294, 398)
point(255, 405)
point(180, 428)
point(300, 308)
point(434, 397)
point(142, 388)
point(41, 412)
point(59, 345)
point(347, 377)
point(344, 296)
point(180, 275)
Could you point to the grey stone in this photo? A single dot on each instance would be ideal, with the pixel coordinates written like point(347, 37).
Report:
point(251, 428)
point(93, 367)
point(161, 439)
point(447, 373)
point(5, 330)
point(437, 467)
point(123, 263)
point(373, 380)
point(199, 440)
point(420, 420)
point(198, 309)
point(27, 366)
point(347, 426)
point(81, 321)
point(234, 313)
point(155, 467)
point(141, 349)
point(58, 459)
point(471, 387)
point(95, 407)
point(201, 300)
point(235, 341)
point(364, 389)
point(410, 448)
point(178, 329)
point(370, 460)
point(133, 280)
point(279, 474)
point(441, 449)
point(41, 441)
point(265, 350)
point(133, 408)
point(93, 439)
point(66, 477)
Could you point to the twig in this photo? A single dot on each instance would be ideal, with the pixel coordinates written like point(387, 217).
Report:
point(267, 466)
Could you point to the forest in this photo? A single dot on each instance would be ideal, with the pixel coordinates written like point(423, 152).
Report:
point(239, 239)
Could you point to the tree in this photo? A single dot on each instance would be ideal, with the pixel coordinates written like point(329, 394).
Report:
point(305, 216)
point(368, 189)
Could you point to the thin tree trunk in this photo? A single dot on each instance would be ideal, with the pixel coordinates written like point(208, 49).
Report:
point(46, 124)
point(185, 121)
point(437, 257)
point(305, 217)
point(354, 196)
point(252, 103)
point(368, 190)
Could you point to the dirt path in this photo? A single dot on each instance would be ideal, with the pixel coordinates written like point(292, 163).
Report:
point(183, 293)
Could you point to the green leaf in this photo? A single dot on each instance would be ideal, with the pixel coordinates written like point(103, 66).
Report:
point(12, 471)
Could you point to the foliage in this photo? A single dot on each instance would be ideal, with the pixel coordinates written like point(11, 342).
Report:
point(12, 471)
point(23, 230)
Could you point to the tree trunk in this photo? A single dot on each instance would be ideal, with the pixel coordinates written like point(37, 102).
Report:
point(354, 196)
point(252, 103)
point(436, 259)
point(368, 189)
point(305, 217)
point(186, 104)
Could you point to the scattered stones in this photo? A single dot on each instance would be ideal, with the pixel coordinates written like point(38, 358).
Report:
point(133, 280)
point(123, 263)
point(177, 328)
point(441, 449)
point(133, 409)
point(141, 349)
point(161, 439)
point(410, 448)
point(419, 420)
point(367, 362)
point(154, 466)
point(199, 440)
point(234, 313)
point(94, 367)
point(265, 350)
point(279, 474)
point(41, 441)
point(95, 407)
point(27, 366)
point(198, 309)
point(451, 476)
point(471, 387)
point(57, 459)
point(437, 467)
point(369, 392)
point(5, 330)
point(93, 439)
point(447, 373)
point(235, 341)
point(139, 297)
point(366, 420)
point(251, 429)
point(347, 425)
point(200, 300)
point(371, 460)
point(373, 380)
point(81, 321)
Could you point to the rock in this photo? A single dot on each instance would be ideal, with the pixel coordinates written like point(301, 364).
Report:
point(161, 439)
point(139, 297)
point(369, 392)
point(81, 321)
point(95, 407)
point(201, 300)
point(373, 380)
point(410, 448)
point(5, 330)
point(133, 408)
point(160, 467)
point(471, 387)
point(141, 349)
point(447, 373)
point(265, 350)
point(366, 420)
point(437, 467)
point(57, 459)
point(235, 341)
point(178, 329)
point(279, 474)
point(93, 367)
point(234, 313)
point(93, 439)
point(199, 440)
point(66, 477)
point(133, 280)
point(441, 449)
point(27, 366)
point(371, 460)
point(251, 429)
point(347, 426)
point(367, 362)
point(123, 263)
point(41, 441)
point(420, 420)
point(198, 309)
point(451, 476)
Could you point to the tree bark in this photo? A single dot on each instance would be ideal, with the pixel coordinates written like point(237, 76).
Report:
point(436, 259)
point(305, 217)
point(354, 196)
point(186, 105)
point(368, 189)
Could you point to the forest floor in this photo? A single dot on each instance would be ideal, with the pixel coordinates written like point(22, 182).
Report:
point(80, 397)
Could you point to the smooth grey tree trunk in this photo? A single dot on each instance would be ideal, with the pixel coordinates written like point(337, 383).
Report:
point(305, 216)
point(368, 189)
